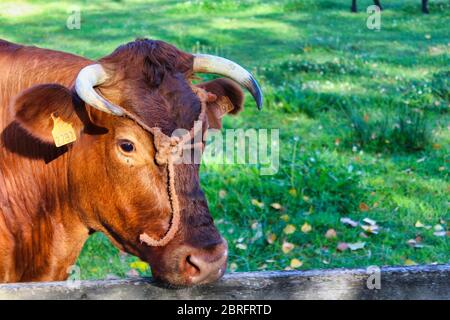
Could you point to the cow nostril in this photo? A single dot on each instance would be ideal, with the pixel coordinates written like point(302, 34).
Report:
point(191, 267)
point(204, 266)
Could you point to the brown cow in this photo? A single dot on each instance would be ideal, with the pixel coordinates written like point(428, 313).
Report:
point(114, 178)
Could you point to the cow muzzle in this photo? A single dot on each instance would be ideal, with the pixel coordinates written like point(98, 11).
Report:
point(193, 266)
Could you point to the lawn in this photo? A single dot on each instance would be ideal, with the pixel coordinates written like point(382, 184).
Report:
point(363, 119)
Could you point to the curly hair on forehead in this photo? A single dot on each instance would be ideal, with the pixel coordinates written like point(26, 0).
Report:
point(152, 59)
point(151, 79)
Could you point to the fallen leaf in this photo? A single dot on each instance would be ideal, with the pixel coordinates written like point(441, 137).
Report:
point(233, 266)
point(337, 141)
point(414, 243)
point(222, 194)
point(363, 207)
point(255, 225)
point(276, 206)
point(363, 235)
point(356, 245)
point(293, 192)
point(287, 247)
point(349, 222)
point(289, 229)
point(262, 267)
point(370, 221)
point(439, 233)
point(436, 146)
point(342, 246)
point(271, 238)
point(330, 234)
point(370, 229)
point(409, 262)
point(257, 203)
point(284, 217)
point(366, 117)
point(241, 246)
point(419, 224)
point(306, 227)
point(139, 265)
point(438, 227)
point(295, 263)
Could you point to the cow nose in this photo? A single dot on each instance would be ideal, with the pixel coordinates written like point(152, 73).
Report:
point(205, 265)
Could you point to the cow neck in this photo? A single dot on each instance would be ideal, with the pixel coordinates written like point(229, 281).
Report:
point(168, 151)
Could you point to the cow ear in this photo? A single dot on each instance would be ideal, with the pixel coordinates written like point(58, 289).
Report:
point(229, 99)
point(36, 109)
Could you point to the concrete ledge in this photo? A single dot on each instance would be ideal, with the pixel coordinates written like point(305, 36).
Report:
point(415, 282)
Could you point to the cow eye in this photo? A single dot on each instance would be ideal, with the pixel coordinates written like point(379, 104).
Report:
point(126, 146)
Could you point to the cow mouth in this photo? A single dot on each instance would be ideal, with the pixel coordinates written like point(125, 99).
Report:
point(190, 266)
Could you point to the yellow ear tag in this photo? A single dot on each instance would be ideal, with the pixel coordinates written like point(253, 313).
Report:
point(63, 132)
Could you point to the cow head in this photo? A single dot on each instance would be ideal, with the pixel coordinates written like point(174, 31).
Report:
point(116, 182)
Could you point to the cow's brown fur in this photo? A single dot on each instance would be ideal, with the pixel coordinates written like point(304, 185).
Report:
point(53, 198)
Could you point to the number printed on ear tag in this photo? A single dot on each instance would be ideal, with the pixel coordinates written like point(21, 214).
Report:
point(63, 132)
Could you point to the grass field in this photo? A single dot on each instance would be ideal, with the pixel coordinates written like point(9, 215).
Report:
point(363, 118)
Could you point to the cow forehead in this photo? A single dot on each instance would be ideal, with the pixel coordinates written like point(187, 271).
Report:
point(171, 106)
point(154, 83)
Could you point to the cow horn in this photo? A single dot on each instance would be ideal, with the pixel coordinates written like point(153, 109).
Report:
point(205, 63)
point(89, 77)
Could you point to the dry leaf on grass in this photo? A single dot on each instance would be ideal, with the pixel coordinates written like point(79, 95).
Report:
point(330, 234)
point(363, 207)
point(306, 227)
point(414, 243)
point(287, 247)
point(257, 203)
point(370, 229)
point(295, 263)
point(370, 221)
point(356, 245)
point(289, 229)
point(349, 222)
point(222, 194)
point(271, 238)
point(409, 262)
point(293, 192)
point(277, 206)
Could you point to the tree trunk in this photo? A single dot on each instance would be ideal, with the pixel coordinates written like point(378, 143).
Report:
point(354, 7)
point(425, 6)
point(378, 3)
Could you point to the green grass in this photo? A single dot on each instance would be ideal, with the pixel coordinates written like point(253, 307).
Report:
point(363, 119)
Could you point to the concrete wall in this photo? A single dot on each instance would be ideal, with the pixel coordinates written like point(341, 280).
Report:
point(416, 282)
